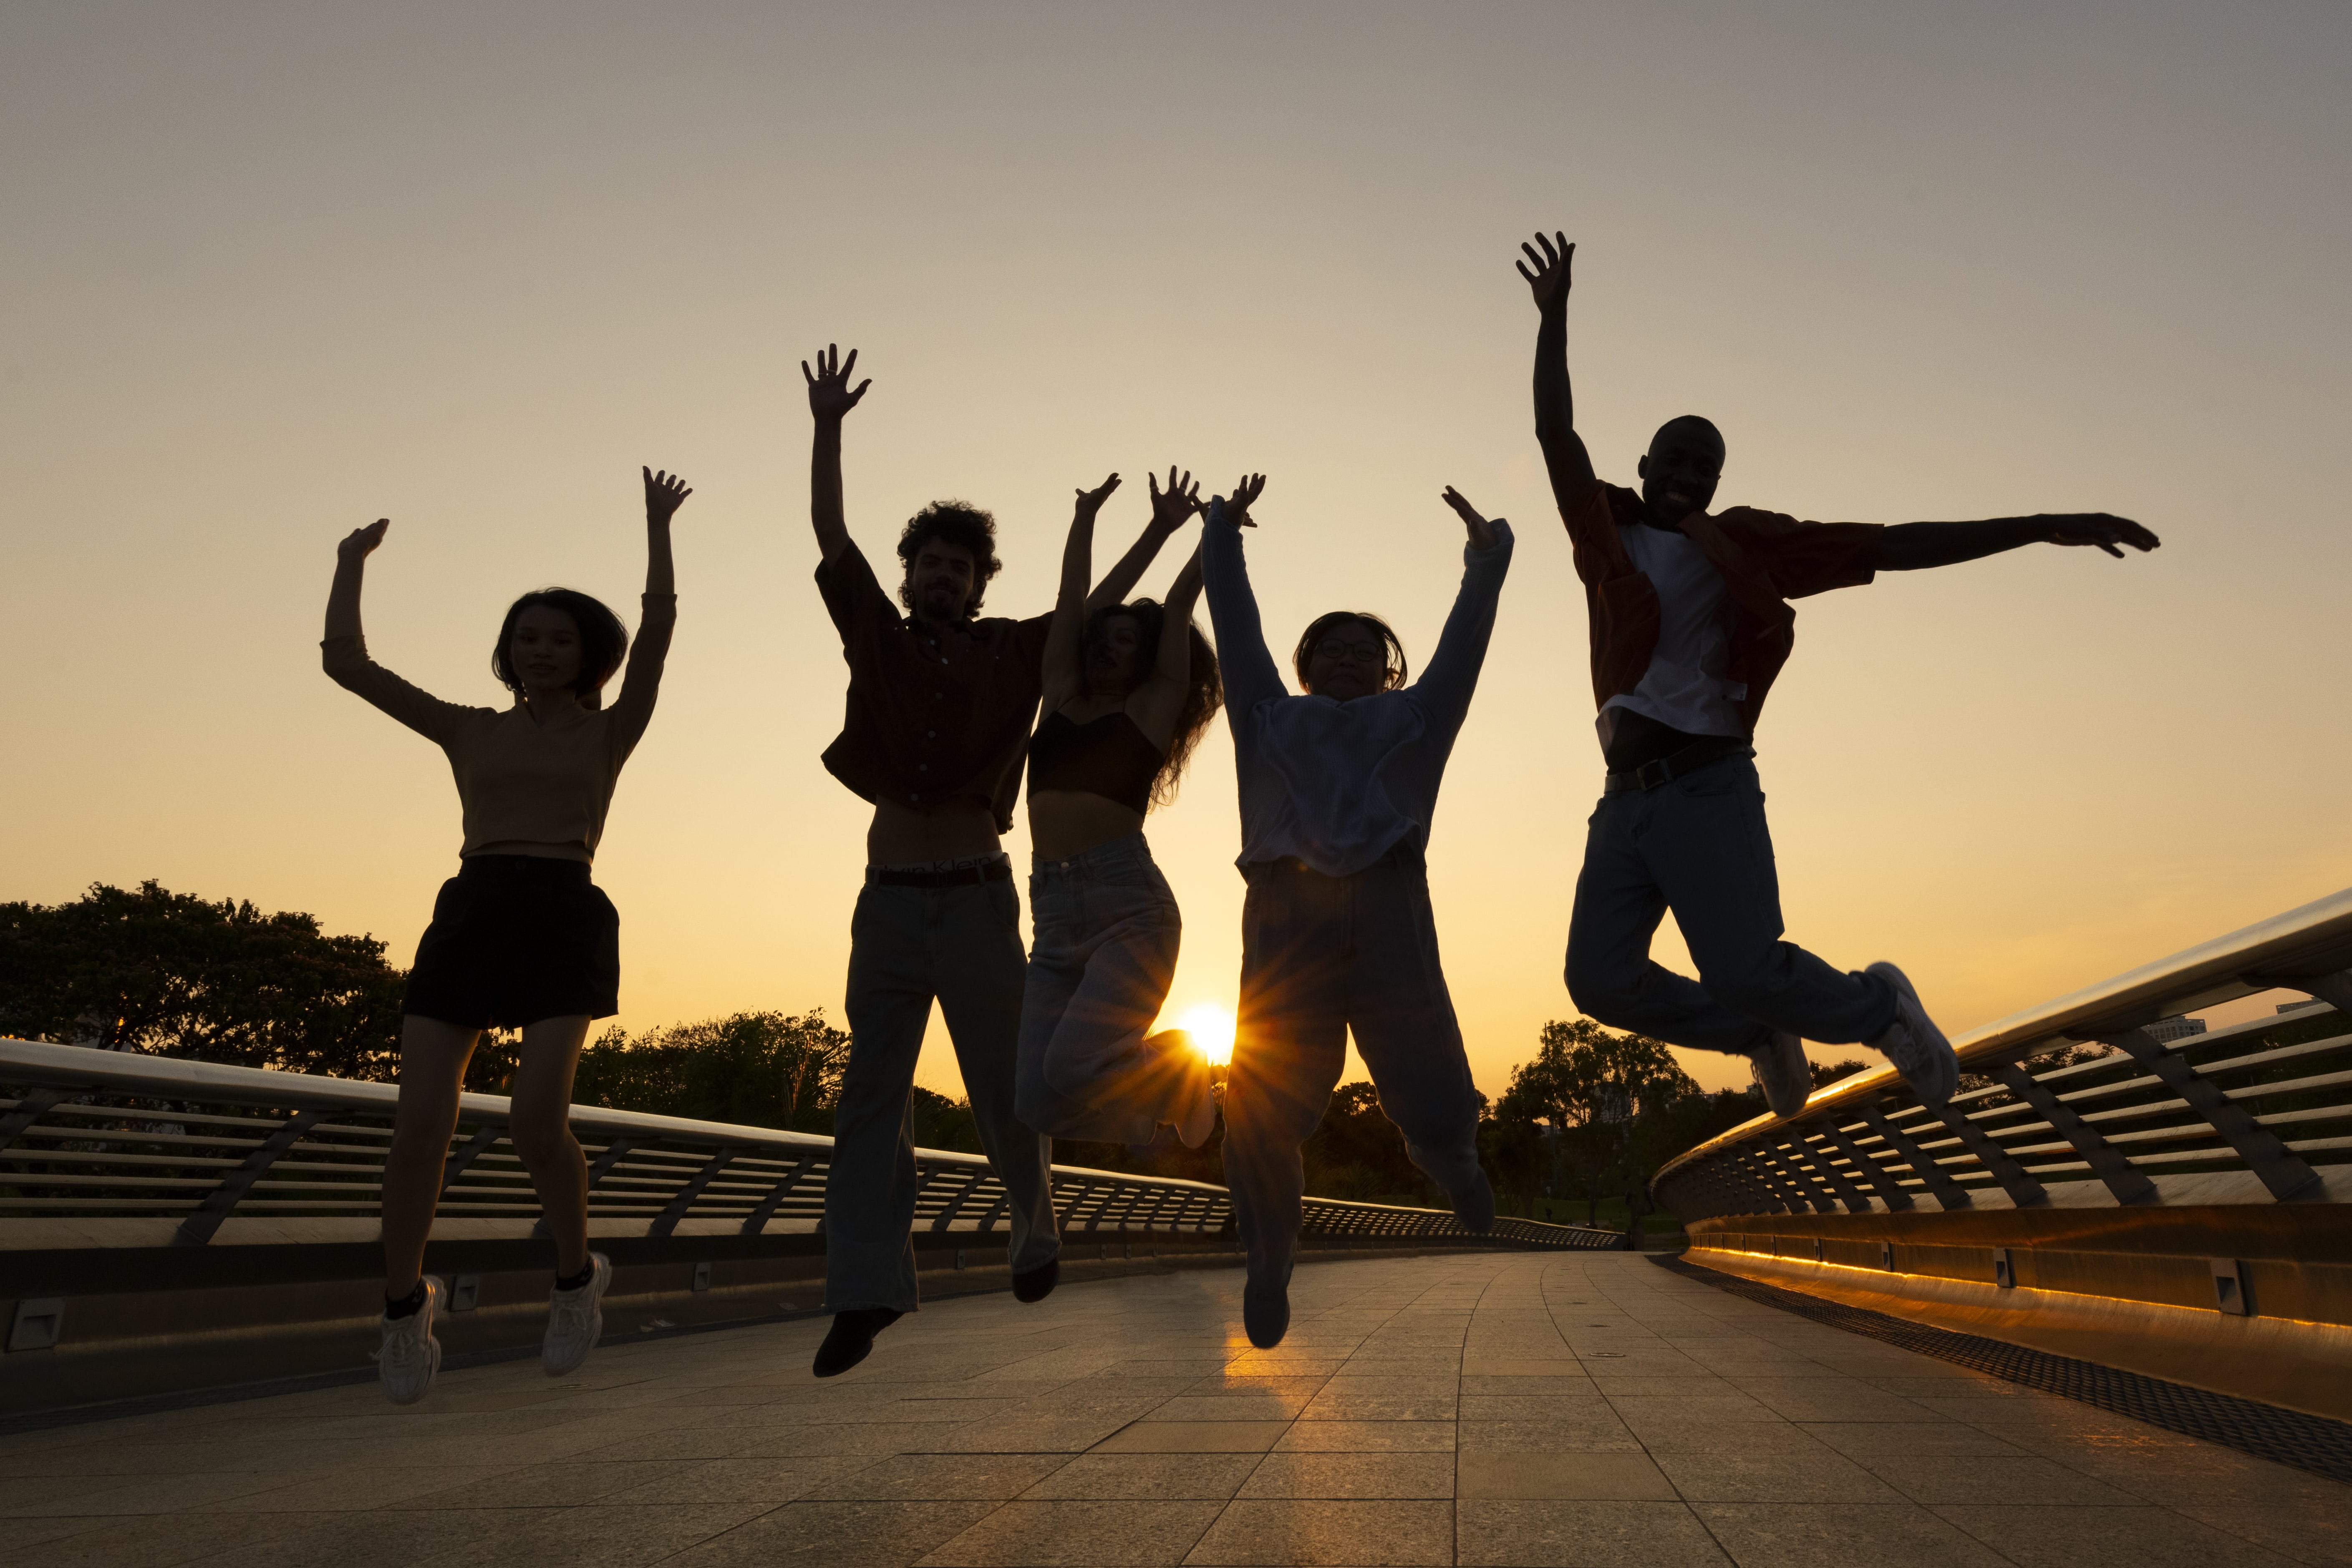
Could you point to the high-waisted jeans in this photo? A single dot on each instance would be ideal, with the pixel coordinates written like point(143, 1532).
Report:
point(1700, 846)
point(1105, 952)
point(1322, 955)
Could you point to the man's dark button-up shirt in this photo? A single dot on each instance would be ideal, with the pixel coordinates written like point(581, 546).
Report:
point(932, 717)
point(1766, 559)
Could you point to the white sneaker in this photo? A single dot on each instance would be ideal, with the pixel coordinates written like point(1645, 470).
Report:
point(411, 1355)
point(1912, 1042)
point(574, 1321)
point(1782, 1073)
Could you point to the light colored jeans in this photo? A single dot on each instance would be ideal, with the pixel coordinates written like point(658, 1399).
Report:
point(1322, 955)
point(1700, 846)
point(1106, 936)
point(906, 946)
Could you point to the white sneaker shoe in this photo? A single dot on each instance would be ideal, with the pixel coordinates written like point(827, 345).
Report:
point(1912, 1042)
point(1783, 1074)
point(574, 1321)
point(411, 1355)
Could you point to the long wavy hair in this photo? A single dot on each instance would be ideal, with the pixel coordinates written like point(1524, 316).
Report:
point(1205, 690)
point(603, 640)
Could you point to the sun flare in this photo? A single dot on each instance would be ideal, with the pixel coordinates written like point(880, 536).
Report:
point(1211, 1028)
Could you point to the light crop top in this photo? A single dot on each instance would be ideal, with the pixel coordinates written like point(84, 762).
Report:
point(522, 781)
point(1111, 757)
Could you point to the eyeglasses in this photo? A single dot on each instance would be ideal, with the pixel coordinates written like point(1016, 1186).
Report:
point(1360, 652)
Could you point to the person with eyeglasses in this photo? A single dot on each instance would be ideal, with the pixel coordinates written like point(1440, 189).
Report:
point(1690, 627)
point(1339, 787)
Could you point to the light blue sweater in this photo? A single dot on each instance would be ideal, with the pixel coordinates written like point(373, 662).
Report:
point(1338, 784)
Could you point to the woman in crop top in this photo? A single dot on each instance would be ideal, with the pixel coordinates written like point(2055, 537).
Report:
point(1128, 692)
point(521, 938)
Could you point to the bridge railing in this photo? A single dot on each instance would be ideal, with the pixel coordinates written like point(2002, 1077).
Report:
point(2080, 1103)
point(96, 1140)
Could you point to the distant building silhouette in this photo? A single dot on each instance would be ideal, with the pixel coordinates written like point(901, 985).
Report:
point(2175, 1028)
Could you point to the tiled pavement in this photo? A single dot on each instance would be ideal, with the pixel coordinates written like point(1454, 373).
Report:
point(1583, 1409)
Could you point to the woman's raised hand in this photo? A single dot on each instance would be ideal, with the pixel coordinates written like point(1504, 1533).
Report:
point(830, 395)
point(360, 542)
point(1172, 507)
point(1090, 501)
point(1482, 533)
point(664, 493)
point(1246, 489)
point(1547, 270)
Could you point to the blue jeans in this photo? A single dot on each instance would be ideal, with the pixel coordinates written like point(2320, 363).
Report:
point(906, 946)
point(1700, 846)
point(1321, 955)
point(1104, 954)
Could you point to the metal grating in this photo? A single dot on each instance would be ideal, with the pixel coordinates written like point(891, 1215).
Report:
point(2312, 1442)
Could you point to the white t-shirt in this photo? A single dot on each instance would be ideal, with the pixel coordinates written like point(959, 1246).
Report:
point(1683, 686)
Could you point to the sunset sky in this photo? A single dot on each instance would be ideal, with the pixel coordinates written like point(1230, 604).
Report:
point(275, 271)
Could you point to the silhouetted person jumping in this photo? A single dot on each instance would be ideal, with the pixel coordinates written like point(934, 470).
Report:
point(941, 704)
point(520, 937)
point(1690, 625)
point(1337, 791)
point(1129, 688)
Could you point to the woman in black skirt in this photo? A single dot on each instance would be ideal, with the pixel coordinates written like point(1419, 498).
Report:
point(520, 937)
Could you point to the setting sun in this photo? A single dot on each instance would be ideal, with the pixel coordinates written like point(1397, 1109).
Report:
point(1211, 1028)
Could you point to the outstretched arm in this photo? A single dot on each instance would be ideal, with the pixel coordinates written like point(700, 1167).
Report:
point(1570, 465)
point(1249, 670)
point(634, 709)
point(1170, 508)
point(1065, 637)
point(1162, 698)
point(1445, 687)
point(830, 400)
point(344, 652)
point(351, 574)
point(1911, 546)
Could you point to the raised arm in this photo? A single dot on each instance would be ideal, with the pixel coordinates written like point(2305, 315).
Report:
point(1249, 670)
point(1451, 677)
point(1160, 702)
point(830, 400)
point(1573, 482)
point(1912, 546)
point(344, 652)
point(634, 709)
point(1065, 665)
point(1170, 508)
point(350, 576)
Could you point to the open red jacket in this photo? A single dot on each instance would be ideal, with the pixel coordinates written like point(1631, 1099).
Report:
point(1766, 558)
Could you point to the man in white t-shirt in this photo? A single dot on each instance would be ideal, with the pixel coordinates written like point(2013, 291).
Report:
point(1690, 626)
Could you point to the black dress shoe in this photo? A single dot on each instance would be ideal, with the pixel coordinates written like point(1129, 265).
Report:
point(1036, 1284)
point(852, 1339)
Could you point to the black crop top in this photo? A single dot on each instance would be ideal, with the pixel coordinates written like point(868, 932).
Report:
point(1110, 757)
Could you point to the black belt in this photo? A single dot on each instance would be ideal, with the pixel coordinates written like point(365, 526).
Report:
point(963, 877)
point(1665, 769)
point(1403, 856)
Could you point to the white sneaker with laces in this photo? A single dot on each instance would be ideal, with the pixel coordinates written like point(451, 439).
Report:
point(1912, 1042)
point(574, 1321)
point(1782, 1073)
point(411, 1355)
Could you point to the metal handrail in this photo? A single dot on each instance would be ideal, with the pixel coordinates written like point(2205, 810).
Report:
point(68, 1148)
point(2152, 1116)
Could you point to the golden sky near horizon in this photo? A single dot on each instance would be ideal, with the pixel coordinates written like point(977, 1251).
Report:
point(275, 271)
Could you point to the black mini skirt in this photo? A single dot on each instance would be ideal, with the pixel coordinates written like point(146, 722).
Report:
point(515, 939)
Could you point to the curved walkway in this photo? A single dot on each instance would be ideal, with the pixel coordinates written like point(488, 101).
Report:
point(1581, 1408)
